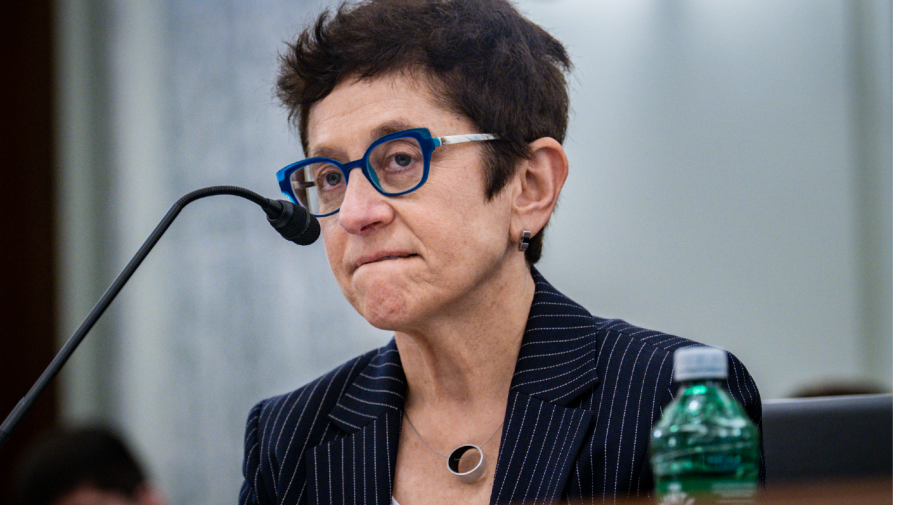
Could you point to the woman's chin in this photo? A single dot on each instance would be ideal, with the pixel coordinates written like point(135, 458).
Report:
point(386, 313)
point(384, 302)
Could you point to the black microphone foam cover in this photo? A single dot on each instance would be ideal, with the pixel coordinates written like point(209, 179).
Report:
point(293, 222)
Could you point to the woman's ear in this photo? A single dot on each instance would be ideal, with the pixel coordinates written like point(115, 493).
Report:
point(540, 178)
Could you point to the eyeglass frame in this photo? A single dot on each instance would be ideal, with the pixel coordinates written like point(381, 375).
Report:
point(427, 142)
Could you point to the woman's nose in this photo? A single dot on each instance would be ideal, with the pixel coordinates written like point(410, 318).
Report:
point(363, 209)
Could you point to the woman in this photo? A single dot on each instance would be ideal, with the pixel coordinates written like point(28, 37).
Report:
point(434, 133)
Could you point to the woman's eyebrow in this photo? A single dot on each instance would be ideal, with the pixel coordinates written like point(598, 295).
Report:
point(326, 152)
point(392, 126)
point(386, 128)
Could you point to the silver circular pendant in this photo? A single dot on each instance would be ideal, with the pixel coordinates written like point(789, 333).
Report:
point(455, 458)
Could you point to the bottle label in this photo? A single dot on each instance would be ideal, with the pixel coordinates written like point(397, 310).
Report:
point(685, 491)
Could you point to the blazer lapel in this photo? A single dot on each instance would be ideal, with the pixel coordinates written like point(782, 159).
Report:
point(358, 468)
point(542, 436)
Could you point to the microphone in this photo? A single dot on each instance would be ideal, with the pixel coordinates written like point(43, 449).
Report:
point(292, 221)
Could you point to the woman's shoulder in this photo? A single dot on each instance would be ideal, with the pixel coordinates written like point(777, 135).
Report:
point(624, 353)
point(280, 429)
point(616, 373)
point(640, 352)
point(663, 344)
point(653, 339)
point(324, 390)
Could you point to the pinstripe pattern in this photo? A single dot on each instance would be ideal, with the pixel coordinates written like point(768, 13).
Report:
point(583, 399)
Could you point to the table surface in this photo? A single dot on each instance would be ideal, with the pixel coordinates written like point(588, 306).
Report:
point(854, 492)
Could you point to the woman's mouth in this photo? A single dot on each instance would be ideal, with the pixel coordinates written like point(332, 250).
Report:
point(382, 256)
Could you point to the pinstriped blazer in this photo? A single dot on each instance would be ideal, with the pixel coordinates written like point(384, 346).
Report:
point(582, 402)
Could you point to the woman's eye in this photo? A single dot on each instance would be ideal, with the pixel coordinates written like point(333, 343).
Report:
point(400, 160)
point(333, 178)
point(330, 179)
point(399, 156)
point(403, 160)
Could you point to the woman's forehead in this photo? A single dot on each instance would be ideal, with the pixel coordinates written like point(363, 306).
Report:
point(357, 112)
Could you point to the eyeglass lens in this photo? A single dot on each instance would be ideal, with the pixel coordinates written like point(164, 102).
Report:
point(394, 166)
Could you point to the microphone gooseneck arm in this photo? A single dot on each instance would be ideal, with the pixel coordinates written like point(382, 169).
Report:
point(290, 220)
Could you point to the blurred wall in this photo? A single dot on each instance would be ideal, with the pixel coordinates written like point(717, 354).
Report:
point(730, 183)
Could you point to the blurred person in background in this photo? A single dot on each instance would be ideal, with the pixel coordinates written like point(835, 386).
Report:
point(83, 466)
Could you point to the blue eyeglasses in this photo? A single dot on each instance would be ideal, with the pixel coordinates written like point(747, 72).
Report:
point(394, 164)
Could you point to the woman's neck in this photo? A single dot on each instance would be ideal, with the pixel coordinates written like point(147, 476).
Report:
point(464, 359)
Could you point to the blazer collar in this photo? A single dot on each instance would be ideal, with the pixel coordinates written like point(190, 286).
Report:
point(379, 388)
point(541, 435)
point(556, 362)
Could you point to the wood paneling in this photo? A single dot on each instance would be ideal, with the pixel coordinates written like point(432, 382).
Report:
point(27, 246)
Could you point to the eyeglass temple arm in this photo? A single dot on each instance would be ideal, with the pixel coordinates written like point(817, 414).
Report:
point(459, 139)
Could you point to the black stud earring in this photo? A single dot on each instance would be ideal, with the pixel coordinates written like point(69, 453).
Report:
point(525, 241)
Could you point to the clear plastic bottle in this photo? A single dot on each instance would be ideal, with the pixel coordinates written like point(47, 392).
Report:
point(704, 448)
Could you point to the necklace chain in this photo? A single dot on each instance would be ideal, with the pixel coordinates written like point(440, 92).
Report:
point(431, 448)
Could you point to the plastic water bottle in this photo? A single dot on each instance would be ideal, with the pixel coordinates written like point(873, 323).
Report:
point(705, 449)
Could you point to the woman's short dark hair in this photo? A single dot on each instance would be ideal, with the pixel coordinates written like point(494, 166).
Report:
point(481, 58)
